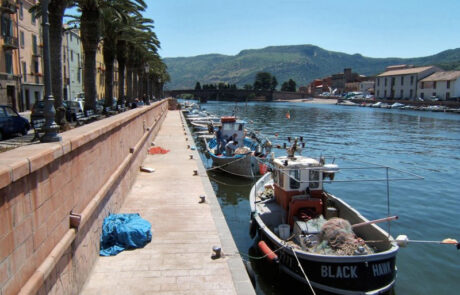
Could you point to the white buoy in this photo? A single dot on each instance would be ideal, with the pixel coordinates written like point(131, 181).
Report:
point(402, 241)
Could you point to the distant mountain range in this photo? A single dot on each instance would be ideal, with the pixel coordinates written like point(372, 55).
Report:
point(302, 63)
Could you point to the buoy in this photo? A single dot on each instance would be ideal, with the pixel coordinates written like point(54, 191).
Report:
point(267, 251)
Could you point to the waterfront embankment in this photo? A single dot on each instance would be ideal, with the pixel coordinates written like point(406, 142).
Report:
point(179, 259)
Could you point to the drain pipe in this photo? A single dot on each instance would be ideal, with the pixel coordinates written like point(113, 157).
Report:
point(38, 278)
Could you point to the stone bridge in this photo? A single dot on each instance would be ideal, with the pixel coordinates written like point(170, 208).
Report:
point(236, 94)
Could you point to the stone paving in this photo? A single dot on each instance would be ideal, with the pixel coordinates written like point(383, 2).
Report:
point(179, 258)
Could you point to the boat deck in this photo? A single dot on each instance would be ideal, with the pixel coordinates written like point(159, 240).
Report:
point(178, 260)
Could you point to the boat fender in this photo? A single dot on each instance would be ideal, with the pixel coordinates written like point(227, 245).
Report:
point(267, 251)
point(252, 228)
point(251, 273)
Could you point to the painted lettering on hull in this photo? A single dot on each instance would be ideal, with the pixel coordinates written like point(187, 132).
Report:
point(381, 269)
point(339, 272)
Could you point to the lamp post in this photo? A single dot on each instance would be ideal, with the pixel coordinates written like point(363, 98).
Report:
point(51, 128)
point(147, 91)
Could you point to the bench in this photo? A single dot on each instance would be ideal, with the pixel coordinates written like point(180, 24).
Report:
point(82, 119)
point(39, 127)
point(109, 111)
point(120, 108)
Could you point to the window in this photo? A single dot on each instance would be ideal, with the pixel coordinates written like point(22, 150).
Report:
point(402, 94)
point(32, 15)
point(378, 93)
point(314, 179)
point(7, 26)
point(385, 82)
point(34, 44)
point(70, 37)
point(21, 39)
point(402, 80)
point(434, 85)
point(385, 94)
point(71, 54)
point(447, 95)
point(21, 10)
point(411, 93)
point(8, 62)
point(422, 95)
point(411, 80)
point(294, 179)
point(448, 85)
point(422, 85)
point(378, 82)
point(36, 67)
point(24, 71)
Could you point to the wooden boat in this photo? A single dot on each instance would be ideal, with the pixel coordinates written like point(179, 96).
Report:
point(246, 161)
point(298, 223)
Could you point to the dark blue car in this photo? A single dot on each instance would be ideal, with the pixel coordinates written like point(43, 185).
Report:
point(11, 122)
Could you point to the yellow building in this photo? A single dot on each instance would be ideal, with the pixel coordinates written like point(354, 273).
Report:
point(30, 56)
point(9, 56)
point(100, 72)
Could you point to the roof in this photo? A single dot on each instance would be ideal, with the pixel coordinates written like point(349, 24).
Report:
point(443, 76)
point(405, 71)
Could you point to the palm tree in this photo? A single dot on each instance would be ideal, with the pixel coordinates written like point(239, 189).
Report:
point(56, 9)
point(90, 26)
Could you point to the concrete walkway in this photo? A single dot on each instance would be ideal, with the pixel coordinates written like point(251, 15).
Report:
point(178, 260)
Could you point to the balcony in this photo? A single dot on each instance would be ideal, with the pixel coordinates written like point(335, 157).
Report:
point(8, 6)
point(10, 42)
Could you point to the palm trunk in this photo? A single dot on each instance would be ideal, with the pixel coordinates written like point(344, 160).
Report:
point(109, 58)
point(56, 13)
point(90, 32)
point(121, 58)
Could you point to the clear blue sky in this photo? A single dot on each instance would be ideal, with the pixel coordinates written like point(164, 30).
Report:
point(385, 28)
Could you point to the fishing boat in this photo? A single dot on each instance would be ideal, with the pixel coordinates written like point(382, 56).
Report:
point(316, 237)
point(246, 161)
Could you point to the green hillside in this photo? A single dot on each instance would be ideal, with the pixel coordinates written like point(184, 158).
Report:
point(303, 63)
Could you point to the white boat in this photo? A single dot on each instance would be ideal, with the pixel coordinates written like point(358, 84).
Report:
point(316, 237)
point(397, 105)
point(247, 161)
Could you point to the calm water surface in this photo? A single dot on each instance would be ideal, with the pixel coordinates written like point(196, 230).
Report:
point(424, 143)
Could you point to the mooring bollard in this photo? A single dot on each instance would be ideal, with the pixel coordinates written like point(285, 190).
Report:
point(191, 157)
point(195, 172)
point(217, 252)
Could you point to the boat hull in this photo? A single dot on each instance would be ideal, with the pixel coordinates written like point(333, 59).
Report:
point(241, 165)
point(372, 273)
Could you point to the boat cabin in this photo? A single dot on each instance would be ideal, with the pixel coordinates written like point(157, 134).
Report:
point(230, 126)
point(298, 185)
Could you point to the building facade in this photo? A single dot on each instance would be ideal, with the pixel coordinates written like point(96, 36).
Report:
point(400, 82)
point(30, 56)
point(72, 65)
point(9, 55)
point(442, 85)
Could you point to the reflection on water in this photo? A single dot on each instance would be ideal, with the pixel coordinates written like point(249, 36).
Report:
point(424, 143)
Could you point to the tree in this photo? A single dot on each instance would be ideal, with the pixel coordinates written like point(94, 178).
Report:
point(263, 81)
point(56, 9)
point(90, 28)
point(289, 86)
point(247, 87)
point(274, 83)
point(197, 86)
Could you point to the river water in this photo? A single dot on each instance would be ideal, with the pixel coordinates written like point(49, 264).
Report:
point(424, 143)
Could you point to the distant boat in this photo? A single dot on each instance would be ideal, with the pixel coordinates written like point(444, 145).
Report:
point(397, 105)
point(247, 160)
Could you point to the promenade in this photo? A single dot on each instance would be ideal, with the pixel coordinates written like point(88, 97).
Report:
point(178, 260)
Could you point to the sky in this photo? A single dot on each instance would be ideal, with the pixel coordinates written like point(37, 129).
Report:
point(385, 28)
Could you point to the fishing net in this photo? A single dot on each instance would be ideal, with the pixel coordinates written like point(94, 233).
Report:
point(242, 150)
point(157, 150)
point(337, 238)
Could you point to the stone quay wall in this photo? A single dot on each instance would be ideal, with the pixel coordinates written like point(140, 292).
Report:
point(86, 175)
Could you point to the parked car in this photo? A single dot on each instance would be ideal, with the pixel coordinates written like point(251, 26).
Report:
point(11, 122)
point(38, 110)
point(72, 108)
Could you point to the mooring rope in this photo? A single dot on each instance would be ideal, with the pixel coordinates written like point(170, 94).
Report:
point(304, 274)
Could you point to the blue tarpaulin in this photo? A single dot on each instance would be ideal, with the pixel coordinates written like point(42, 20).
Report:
point(124, 231)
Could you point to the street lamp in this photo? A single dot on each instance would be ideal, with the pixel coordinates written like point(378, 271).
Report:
point(147, 86)
point(51, 128)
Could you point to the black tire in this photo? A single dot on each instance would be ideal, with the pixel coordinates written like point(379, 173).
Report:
point(1, 135)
